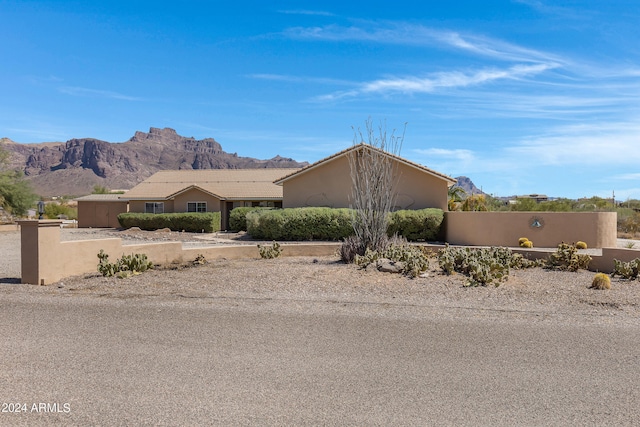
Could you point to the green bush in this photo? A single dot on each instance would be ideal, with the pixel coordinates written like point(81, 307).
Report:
point(238, 217)
point(300, 224)
point(416, 225)
point(55, 210)
point(207, 222)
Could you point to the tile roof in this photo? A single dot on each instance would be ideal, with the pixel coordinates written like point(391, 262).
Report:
point(360, 146)
point(226, 184)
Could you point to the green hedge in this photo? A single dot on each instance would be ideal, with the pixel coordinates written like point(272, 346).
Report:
point(192, 222)
point(423, 224)
point(238, 217)
point(300, 224)
point(335, 224)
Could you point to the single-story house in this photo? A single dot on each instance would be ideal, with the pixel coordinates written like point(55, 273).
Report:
point(100, 210)
point(207, 190)
point(328, 182)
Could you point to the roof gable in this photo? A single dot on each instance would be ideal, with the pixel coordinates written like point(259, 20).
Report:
point(364, 146)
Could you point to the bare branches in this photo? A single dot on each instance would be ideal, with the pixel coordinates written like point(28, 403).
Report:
point(373, 175)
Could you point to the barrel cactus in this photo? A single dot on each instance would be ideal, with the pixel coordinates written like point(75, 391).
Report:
point(601, 281)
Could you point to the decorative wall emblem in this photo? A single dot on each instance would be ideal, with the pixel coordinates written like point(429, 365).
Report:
point(536, 222)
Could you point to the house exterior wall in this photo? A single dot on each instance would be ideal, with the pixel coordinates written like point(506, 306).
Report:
point(330, 185)
point(596, 229)
point(99, 214)
point(195, 195)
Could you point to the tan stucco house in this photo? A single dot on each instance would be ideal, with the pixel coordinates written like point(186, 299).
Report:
point(328, 183)
point(206, 190)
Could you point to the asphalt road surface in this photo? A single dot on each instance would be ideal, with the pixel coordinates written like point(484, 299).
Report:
point(91, 360)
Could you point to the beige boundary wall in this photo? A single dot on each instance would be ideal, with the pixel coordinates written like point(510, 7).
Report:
point(46, 260)
point(544, 229)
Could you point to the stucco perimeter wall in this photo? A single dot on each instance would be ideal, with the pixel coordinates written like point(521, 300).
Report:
point(46, 260)
point(544, 229)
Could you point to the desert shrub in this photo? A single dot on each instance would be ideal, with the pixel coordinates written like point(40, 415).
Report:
point(600, 281)
point(483, 266)
point(300, 224)
point(271, 251)
point(566, 257)
point(627, 270)
point(200, 260)
point(55, 210)
point(581, 245)
point(416, 225)
point(238, 217)
point(207, 222)
point(412, 259)
point(123, 267)
point(350, 247)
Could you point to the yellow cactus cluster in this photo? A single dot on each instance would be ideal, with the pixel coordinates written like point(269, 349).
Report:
point(601, 281)
point(581, 245)
point(525, 243)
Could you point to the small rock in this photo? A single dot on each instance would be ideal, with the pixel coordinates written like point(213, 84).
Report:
point(388, 266)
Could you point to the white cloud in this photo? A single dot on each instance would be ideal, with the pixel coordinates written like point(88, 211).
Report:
point(607, 144)
point(410, 34)
point(81, 91)
point(430, 84)
point(306, 12)
point(447, 154)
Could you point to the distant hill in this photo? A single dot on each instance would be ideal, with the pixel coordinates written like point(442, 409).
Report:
point(76, 166)
point(467, 185)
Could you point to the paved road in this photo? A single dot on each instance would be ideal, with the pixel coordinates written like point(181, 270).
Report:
point(144, 361)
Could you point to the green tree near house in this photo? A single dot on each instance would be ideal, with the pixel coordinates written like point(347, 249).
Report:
point(456, 196)
point(16, 195)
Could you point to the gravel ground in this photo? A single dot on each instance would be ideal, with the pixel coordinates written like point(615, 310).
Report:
point(294, 282)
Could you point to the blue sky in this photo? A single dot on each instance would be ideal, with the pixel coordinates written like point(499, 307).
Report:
point(521, 96)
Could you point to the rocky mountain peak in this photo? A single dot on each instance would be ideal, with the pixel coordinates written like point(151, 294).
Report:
point(75, 167)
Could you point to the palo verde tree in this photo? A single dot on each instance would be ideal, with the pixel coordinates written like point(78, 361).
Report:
point(16, 195)
point(373, 176)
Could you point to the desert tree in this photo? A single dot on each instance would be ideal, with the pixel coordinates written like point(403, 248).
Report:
point(16, 195)
point(374, 177)
point(456, 196)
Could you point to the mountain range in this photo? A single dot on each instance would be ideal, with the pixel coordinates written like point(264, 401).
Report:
point(75, 167)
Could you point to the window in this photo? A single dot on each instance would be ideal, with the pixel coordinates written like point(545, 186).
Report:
point(154, 207)
point(196, 206)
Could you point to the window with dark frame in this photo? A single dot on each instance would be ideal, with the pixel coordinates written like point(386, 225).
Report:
point(196, 206)
point(154, 207)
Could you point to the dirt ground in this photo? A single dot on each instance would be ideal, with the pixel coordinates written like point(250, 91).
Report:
point(535, 294)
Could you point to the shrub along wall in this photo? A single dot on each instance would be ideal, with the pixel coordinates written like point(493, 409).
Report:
point(300, 224)
point(207, 222)
point(238, 217)
point(335, 224)
point(417, 225)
